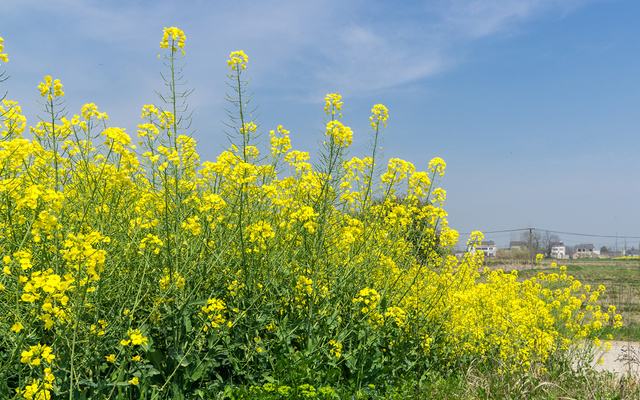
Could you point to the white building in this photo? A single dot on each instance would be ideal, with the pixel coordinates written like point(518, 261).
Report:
point(558, 250)
point(488, 247)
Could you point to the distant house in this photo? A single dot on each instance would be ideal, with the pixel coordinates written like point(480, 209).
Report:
point(585, 250)
point(488, 247)
point(632, 252)
point(459, 254)
point(558, 250)
point(518, 245)
point(606, 252)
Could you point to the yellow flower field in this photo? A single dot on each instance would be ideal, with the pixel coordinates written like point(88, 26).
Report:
point(132, 268)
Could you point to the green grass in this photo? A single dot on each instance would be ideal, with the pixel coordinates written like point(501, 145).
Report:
point(474, 385)
point(622, 279)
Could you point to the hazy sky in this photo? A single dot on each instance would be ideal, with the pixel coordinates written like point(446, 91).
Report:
point(534, 104)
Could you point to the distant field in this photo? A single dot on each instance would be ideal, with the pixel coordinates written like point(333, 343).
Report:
point(622, 279)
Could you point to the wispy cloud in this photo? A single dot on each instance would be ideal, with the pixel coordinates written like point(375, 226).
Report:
point(389, 50)
point(358, 46)
point(474, 19)
point(302, 48)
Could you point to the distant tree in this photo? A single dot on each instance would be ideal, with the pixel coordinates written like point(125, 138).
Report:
point(540, 241)
point(604, 250)
point(547, 240)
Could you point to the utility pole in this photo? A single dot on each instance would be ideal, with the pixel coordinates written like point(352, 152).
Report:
point(531, 247)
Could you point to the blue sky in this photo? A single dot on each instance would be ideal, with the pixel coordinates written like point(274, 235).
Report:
point(534, 104)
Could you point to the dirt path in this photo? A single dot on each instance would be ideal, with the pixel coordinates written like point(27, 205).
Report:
point(624, 357)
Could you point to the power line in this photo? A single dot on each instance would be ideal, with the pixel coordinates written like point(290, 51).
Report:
point(500, 231)
point(592, 235)
point(558, 232)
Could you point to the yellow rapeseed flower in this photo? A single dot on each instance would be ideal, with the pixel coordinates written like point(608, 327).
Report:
point(248, 127)
point(4, 57)
point(117, 135)
point(335, 348)
point(151, 242)
point(437, 166)
point(475, 237)
point(36, 354)
point(91, 110)
point(50, 88)
point(341, 134)
point(174, 37)
point(170, 280)
point(379, 115)
point(259, 234)
point(238, 60)
point(135, 338)
point(332, 103)
point(280, 141)
point(214, 311)
point(368, 298)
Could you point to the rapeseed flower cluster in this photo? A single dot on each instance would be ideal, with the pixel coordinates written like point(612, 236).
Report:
point(174, 37)
point(134, 338)
point(36, 355)
point(258, 235)
point(379, 116)
point(333, 104)
point(130, 265)
point(39, 389)
point(50, 88)
point(171, 279)
point(342, 135)
point(335, 348)
point(13, 120)
point(238, 60)
point(214, 312)
point(4, 57)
